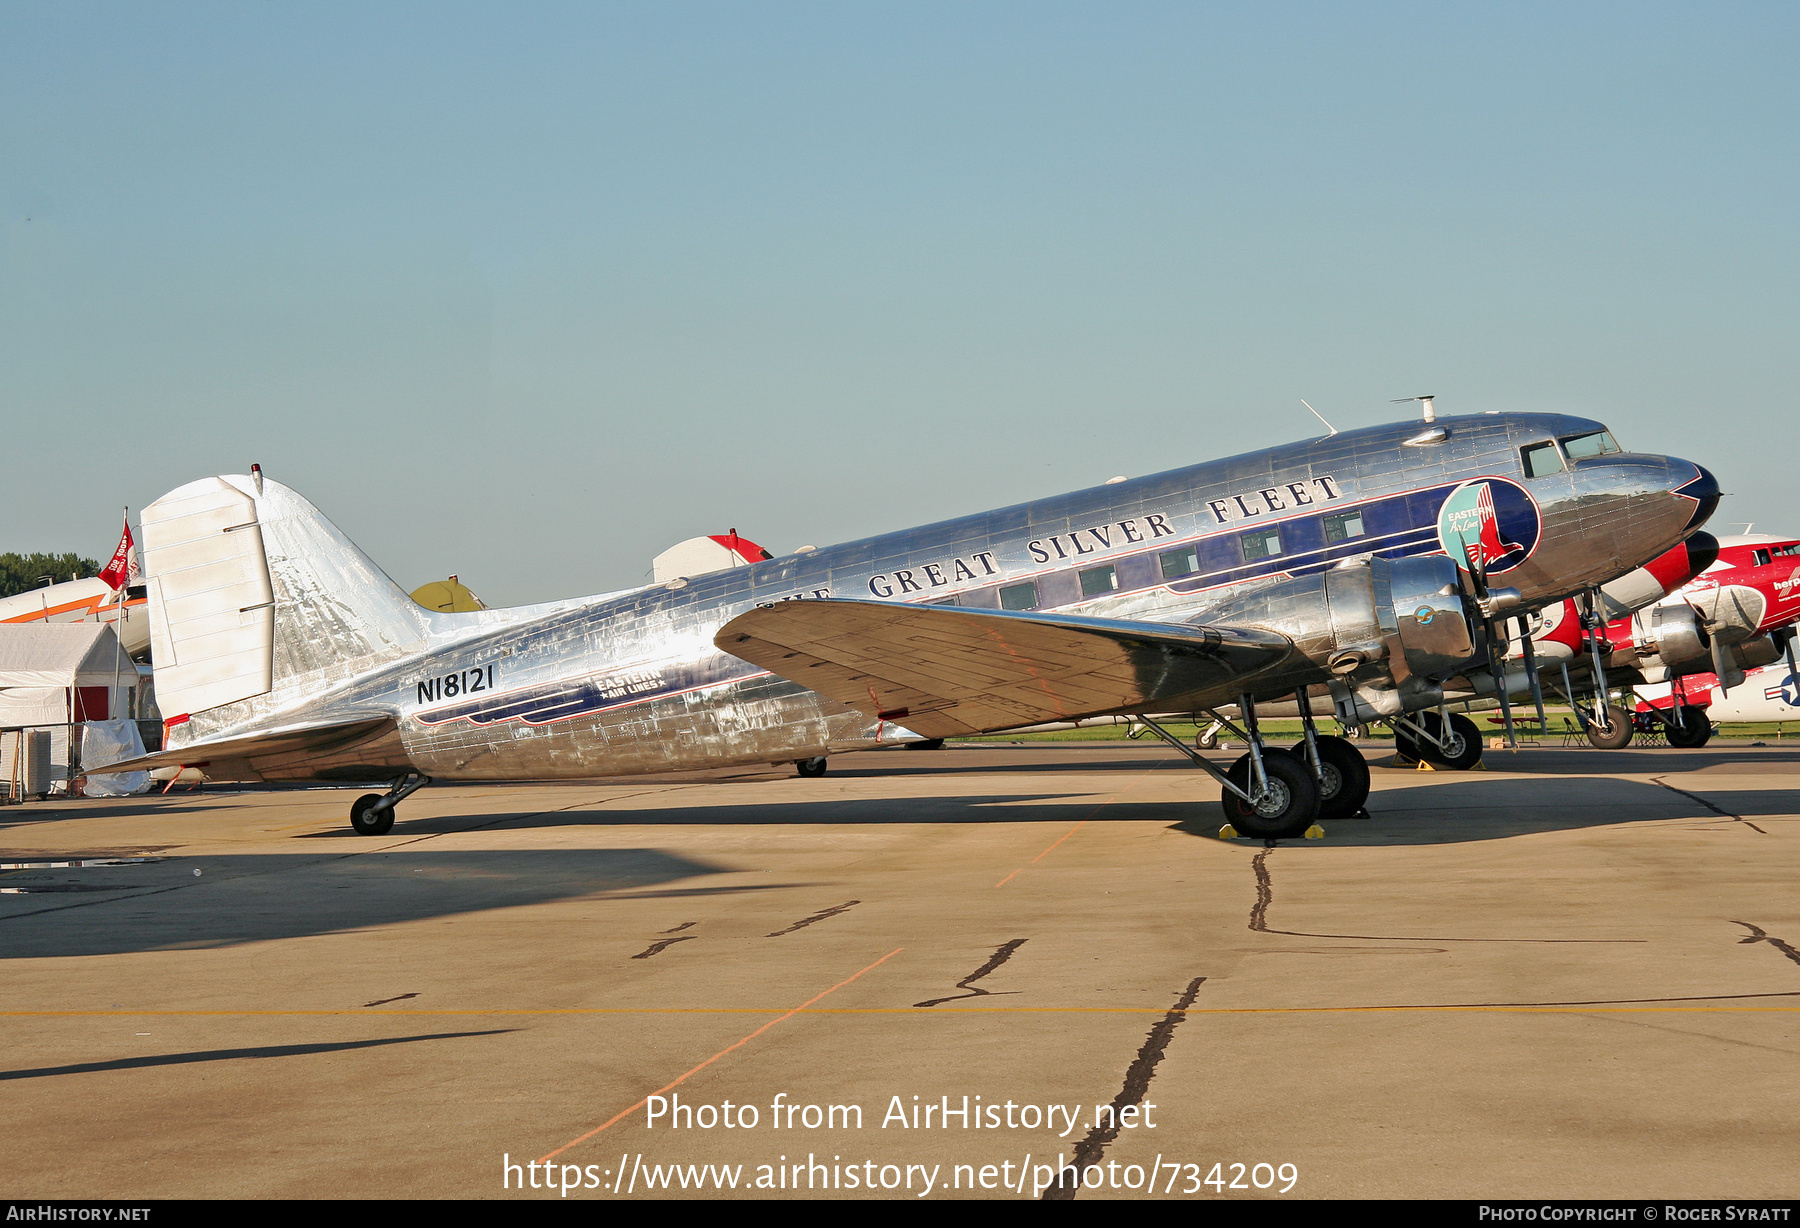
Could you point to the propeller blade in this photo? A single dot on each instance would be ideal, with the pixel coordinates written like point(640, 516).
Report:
point(1531, 673)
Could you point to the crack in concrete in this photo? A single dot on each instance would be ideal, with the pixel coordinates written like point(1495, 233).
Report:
point(816, 917)
point(1001, 954)
point(1265, 896)
point(1758, 934)
point(663, 945)
point(1137, 1084)
point(1695, 797)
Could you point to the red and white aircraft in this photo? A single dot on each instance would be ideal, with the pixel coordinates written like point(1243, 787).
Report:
point(83, 601)
point(1709, 608)
point(1754, 591)
point(1771, 693)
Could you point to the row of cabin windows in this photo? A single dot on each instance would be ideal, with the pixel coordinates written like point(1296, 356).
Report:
point(1765, 557)
point(1174, 564)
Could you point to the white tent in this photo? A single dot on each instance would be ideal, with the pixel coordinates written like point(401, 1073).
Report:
point(57, 673)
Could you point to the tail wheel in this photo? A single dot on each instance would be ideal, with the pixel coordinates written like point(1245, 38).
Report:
point(1286, 809)
point(1615, 734)
point(1345, 786)
point(811, 767)
point(1691, 728)
point(1460, 747)
point(369, 821)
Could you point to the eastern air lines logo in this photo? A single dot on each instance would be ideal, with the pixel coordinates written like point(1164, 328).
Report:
point(1490, 521)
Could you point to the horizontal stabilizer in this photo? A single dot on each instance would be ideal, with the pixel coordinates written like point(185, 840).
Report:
point(945, 671)
point(313, 739)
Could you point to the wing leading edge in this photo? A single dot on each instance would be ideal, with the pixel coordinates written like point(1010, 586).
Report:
point(945, 671)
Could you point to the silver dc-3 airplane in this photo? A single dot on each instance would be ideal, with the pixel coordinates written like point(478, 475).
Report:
point(1368, 566)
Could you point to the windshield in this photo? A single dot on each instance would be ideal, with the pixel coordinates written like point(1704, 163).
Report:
point(1541, 460)
point(1597, 443)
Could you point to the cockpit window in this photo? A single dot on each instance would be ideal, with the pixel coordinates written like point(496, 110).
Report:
point(1598, 443)
point(1541, 459)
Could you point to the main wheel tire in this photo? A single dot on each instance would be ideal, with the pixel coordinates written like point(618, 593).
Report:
point(1461, 746)
point(811, 767)
point(1346, 784)
point(369, 821)
point(1615, 734)
point(1405, 745)
point(1289, 807)
point(1691, 729)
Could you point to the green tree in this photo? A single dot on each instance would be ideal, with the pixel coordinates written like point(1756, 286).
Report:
point(21, 572)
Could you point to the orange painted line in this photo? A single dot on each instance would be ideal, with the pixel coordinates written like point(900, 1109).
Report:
point(623, 1113)
point(1071, 831)
point(1084, 822)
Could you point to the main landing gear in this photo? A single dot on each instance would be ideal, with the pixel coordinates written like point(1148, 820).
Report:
point(1449, 745)
point(1689, 728)
point(1610, 728)
point(810, 768)
point(372, 814)
point(1274, 794)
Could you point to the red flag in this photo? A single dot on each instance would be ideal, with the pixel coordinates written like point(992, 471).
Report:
point(123, 567)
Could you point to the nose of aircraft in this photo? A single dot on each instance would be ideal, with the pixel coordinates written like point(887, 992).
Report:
point(1703, 489)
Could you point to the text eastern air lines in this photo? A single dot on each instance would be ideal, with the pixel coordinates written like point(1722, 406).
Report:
point(542, 704)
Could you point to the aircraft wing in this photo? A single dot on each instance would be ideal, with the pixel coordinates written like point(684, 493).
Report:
point(307, 739)
point(945, 671)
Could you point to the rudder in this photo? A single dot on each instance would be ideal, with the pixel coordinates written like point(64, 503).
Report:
point(257, 600)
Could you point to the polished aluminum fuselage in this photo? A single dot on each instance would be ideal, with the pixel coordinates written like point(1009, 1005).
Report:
point(632, 682)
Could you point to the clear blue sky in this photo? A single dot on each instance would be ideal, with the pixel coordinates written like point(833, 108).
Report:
point(528, 292)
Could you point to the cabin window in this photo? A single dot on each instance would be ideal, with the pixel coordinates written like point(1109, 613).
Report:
point(1098, 581)
point(1344, 526)
point(1791, 550)
point(1019, 596)
point(941, 601)
point(1596, 443)
point(1541, 460)
point(1261, 544)
point(1183, 562)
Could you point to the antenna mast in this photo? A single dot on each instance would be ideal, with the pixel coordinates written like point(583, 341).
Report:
point(1424, 403)
point(1319, 416)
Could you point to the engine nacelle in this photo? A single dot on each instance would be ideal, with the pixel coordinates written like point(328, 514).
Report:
point(1758, 652)
point(1732, 612)
point(1670, 638)
point(1740, 659)
point(1423, 618)
point(1389, 630)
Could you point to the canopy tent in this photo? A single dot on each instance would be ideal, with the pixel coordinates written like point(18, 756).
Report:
point(55, 673)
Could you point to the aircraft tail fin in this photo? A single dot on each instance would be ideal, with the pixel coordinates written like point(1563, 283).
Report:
point(257, 600)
